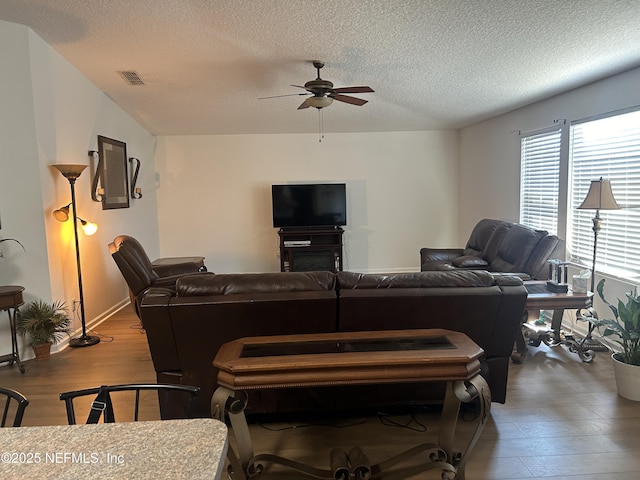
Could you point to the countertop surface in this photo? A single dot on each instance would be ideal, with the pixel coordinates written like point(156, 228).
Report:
point(190, 449)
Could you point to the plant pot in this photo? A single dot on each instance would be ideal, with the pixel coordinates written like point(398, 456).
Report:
point(43, 351)
point(627, 378)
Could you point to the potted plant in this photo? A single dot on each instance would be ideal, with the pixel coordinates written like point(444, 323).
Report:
point(43, 324)
point(626, 327)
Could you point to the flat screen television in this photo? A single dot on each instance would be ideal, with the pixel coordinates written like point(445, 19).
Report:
point(309, 205)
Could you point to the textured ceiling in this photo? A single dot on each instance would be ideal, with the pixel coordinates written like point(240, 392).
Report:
point(434, 64)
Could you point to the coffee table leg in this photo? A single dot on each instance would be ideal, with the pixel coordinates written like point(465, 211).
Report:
point(457, 392)
point(225, 403)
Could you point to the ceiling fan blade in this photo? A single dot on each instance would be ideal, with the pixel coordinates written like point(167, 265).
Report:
point(304, 104)
point(353, 90)
point(287, 95)
point(348, 99)
point(299, 86)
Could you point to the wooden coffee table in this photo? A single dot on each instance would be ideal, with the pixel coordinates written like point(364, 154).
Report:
point(539, 298)
point(353, 358)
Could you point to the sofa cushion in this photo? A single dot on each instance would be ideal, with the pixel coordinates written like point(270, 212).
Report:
point(548, 247)
point(454, 278)
point(494, 243)
point(252, 283)
point(515, 249)
point(480, 236)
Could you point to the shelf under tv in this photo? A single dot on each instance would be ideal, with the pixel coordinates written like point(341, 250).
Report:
point(308, 249)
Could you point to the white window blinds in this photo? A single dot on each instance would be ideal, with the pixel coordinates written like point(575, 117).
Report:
point(609, 148)
point(539, 179)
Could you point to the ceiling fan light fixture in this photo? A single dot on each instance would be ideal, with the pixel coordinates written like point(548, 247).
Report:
point(319, 102)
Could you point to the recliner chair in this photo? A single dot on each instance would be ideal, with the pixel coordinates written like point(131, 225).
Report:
point(499, 247)
point(141, 273)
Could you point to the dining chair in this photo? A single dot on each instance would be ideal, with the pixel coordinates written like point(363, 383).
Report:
point(102, 404)
point(12, 396)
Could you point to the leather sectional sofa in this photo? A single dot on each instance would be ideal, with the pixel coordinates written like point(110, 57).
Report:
point(498, 246)
point(186, 327)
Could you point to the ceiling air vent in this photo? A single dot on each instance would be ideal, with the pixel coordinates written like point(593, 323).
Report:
point(131, 77)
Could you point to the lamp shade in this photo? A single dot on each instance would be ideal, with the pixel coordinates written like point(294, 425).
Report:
point(89, 228)
point(319, 102)
point(599, 197)
point(69, 170)
point(62, 214)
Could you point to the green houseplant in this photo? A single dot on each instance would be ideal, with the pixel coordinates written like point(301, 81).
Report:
point(43, 324)
point(625, 326)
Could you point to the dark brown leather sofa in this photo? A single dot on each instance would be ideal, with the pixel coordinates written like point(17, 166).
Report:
point(498, 246)
point(488, 309)
point(186, 329)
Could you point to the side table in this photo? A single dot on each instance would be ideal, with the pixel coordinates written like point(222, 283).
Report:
point(540, 298)
point(10, 300)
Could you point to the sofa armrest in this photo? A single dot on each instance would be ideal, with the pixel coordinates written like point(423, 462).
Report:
point(439, 254)
point(470, 262)
point(508, 279)
point(170, 281)
point(156, 320)
point(170, 266)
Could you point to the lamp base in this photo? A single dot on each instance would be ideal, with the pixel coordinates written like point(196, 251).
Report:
point(589, 343)
point(84, 341)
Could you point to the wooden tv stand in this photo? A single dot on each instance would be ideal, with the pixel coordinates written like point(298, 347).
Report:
point(311, 249)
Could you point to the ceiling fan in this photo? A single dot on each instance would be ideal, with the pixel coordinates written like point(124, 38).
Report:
point(323, 94)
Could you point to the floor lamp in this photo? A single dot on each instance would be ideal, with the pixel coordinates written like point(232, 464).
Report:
point(71, 172)
point(599, 197)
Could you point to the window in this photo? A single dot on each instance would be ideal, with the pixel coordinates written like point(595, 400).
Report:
point(558, 165)
point(540, 179)
point(610, 148)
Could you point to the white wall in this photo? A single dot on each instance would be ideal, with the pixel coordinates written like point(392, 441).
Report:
point(214, 195)
point(20, 196)
point(53, 114)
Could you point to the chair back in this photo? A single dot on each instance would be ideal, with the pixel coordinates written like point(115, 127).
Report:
point(12, 397)
point(102, 404)
point(133, 262)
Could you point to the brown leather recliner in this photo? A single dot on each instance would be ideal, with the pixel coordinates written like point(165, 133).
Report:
point(140, 273)
point(498, 246)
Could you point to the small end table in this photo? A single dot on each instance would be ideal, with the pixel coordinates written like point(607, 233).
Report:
point(10, 300)
point(540, 298)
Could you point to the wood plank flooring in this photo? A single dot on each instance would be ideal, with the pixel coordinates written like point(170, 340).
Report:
point(562, 421)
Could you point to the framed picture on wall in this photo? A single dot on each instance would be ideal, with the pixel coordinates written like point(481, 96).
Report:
point(112, 171)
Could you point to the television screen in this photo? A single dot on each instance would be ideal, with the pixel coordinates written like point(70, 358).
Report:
point(309, 205)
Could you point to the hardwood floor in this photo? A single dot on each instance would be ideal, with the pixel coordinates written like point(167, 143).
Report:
point(122, 356)
point(562, 421)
